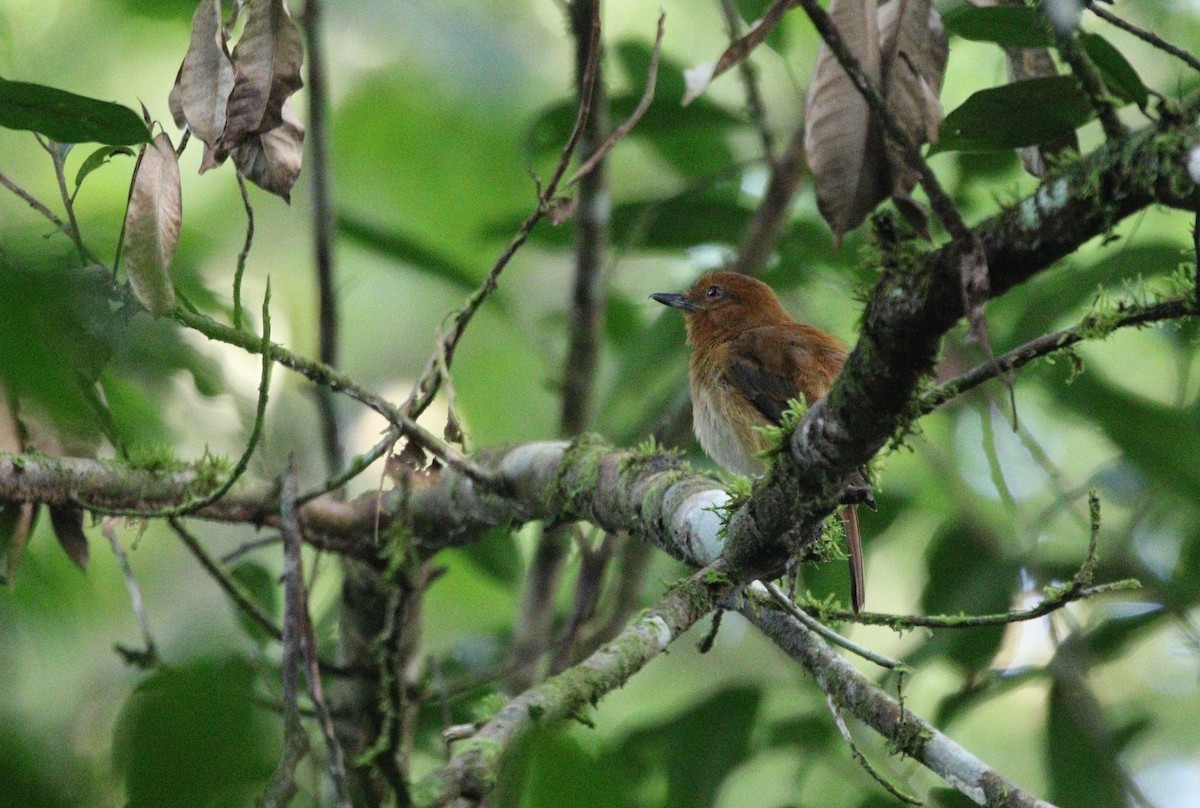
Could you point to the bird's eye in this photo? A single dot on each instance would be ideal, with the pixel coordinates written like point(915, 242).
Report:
point(713, 292)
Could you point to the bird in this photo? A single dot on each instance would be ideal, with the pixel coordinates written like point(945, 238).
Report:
point(749, 358)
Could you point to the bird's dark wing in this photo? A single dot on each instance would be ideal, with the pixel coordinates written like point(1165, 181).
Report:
point(770, 365)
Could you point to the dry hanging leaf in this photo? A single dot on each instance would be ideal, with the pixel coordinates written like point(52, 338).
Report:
point(267, 59)
point(914, 50)
point(68, 529)
point(699, 77)
point(152, 223)
point(842, 141)
point(206, 77)
point(272, 160)
point(175, 102)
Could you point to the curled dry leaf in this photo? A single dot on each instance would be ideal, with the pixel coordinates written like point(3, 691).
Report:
point(206, 76)
point(175, 102)
point(68, 529)
point(16, 518)
point(152, 223)
point(271, 160)
point(843, 143)
point(267, 61)
point(698, 78)
point(914, 50)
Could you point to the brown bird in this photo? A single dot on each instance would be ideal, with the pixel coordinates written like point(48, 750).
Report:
point(749, 357)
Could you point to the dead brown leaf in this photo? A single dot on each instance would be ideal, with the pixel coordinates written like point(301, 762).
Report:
point(842, 141)
point(206, 76)
point(271, 160)
point(698, 78)
point(152, 223)
point(914, 50)
point(267, 60)
point(68, 529)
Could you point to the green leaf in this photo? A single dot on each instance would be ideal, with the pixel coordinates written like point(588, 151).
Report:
point(969, 574)
point(403, 248)
point(1118, 74)
point(1010, 26)
point(96, 159)
point(262, 588)
point(1158, 440)
point(496, 555)
point(68, 118)
point(191, 736)
point(1023, 113)
point(1081, 767)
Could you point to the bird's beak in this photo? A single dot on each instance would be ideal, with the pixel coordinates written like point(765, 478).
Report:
point(674, 300)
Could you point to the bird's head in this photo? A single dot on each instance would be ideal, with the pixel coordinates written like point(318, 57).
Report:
point(722, 304)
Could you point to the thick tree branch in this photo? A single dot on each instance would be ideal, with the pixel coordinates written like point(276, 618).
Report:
point(471, 774)
point(910, 734)
point(913, 306)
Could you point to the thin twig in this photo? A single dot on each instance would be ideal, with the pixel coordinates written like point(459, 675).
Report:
point(767, 224)
point(242, 599)
point(56, 156)
point(754, 99)
point(592, 213)
point(323, 227)
point(1144, 35)
point(355, 467)
point(244, 254)
point(282, 786)
point(297, 628)
point(829, 634)
point(867, 766)
point(196, 503)
point(740, 48)
point(1057, 341)
point(625, 128)
point(33, 202)
point(324, 375)
point(149, 655)
point(1080, 587)
point(1089, 77)
point(429, 382)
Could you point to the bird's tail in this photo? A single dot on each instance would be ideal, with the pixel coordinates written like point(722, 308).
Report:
point(858, 590)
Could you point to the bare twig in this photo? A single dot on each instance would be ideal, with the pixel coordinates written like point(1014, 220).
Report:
point(1146, 36)
point(244, 254)
point(427, 386)
point(56, 155)
point(754, 100)
point(867, 766)
point(149, 655)
point(197, 503)
point(1093, 326)
point(299, 644)
point(592, 212)
point(33, 202)
point(324, 375)
point(323, 227)
point(829, 634)
point(241, 599)
point(1080, 587)
point(282, 787)
point(627, 126)
point(1089, 77)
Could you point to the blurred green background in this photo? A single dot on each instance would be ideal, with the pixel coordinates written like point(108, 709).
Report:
point(441, 108)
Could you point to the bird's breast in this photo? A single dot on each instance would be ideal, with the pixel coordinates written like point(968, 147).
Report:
point(725, 426)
